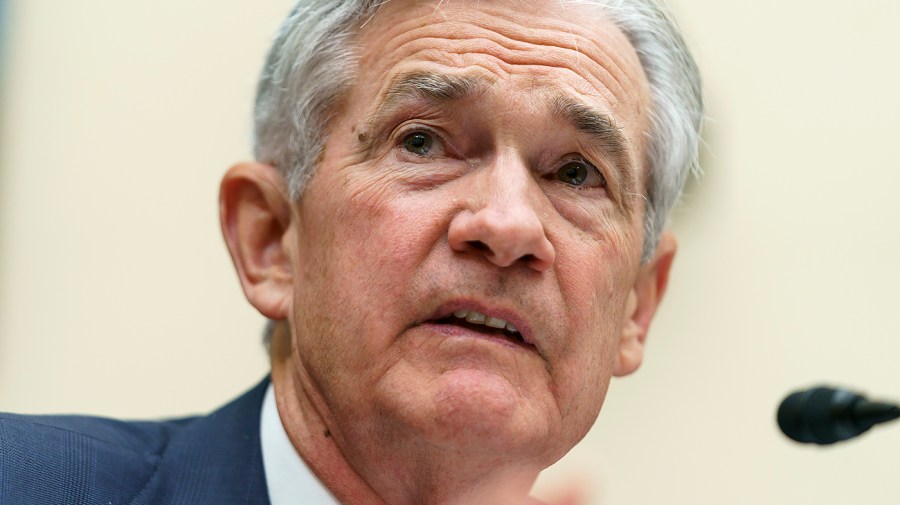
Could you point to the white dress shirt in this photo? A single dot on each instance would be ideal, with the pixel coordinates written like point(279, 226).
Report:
point(289, 479)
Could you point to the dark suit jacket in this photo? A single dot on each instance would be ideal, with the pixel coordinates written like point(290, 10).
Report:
point(75, 460)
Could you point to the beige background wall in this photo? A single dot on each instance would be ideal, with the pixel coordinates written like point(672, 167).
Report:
point(117, 296)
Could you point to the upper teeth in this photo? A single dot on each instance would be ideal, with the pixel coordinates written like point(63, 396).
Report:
point(479, 318)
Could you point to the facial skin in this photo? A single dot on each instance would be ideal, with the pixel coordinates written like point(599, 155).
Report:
point(513, 189)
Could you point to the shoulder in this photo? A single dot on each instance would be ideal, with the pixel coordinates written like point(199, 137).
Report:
point(144, 437)
point(78, 459)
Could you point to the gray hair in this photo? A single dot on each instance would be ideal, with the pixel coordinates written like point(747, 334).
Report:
point(312, 62)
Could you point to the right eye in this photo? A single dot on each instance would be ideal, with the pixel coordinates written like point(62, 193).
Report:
point(419, 143)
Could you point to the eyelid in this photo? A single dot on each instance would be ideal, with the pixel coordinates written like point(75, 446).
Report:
point(576, 157)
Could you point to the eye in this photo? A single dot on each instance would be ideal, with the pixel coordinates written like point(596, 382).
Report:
point(419, 143)
point(581, 174)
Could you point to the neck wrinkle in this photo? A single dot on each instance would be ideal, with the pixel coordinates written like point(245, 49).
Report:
point(311, 438)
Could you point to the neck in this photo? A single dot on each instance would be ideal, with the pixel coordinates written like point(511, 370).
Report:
point(391, 468)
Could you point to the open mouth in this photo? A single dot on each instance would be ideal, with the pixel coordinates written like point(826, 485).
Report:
point(482, 323)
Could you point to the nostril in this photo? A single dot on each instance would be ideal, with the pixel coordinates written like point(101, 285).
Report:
point(478, 245)
point(528, 258)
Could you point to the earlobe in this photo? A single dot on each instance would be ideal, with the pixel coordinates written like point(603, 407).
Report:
point(643, 300)
point(255, 215)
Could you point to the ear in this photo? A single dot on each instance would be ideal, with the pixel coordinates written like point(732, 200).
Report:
point(255, 214)
point(643, 300)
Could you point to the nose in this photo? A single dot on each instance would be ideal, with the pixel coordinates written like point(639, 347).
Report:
point(502, 224)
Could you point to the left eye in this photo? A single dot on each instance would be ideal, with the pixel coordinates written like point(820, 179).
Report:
point(581, 174)
point(419, 143)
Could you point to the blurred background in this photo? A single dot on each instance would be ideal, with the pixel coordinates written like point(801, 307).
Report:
point(117, 296)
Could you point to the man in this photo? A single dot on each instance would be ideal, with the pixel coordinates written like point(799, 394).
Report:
point(455, 224)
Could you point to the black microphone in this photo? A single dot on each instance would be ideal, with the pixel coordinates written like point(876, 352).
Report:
point(824, 415)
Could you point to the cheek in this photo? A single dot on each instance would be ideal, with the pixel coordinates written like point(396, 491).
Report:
point(360, 264)
point(595, 277)
point(596, 273)
point(386, 235)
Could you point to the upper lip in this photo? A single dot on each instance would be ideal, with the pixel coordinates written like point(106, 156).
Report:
point(446, 310)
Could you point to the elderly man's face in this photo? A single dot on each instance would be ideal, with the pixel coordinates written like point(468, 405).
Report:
point(487, 161)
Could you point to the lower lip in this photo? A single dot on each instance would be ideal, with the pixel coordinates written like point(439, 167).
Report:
point(451, 330)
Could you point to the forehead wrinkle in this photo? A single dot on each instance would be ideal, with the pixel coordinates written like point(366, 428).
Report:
point(611, 64)
point(583, 32)
point(540, 46)
point(601, 74)
point(615, 54)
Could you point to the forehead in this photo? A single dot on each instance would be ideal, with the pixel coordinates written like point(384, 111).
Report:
point(535, 46)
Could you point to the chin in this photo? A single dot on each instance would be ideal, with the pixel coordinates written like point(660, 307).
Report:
point(476, 411)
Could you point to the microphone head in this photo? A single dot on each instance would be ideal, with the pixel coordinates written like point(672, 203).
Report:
point(820, 416)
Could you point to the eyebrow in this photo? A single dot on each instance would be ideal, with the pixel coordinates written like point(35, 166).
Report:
point(433, 88)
